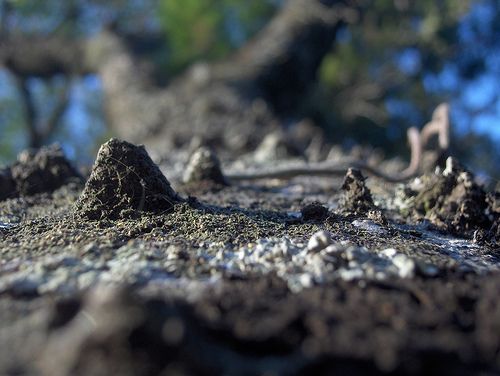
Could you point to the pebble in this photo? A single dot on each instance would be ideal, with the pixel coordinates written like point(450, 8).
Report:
point(294, 214)
point(320, 240)
point(405, 265)
point(6, 226)
point(369, 226)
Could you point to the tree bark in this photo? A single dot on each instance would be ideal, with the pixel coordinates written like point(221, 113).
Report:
point(283, 59)
point(234, 102)
point(36, 56)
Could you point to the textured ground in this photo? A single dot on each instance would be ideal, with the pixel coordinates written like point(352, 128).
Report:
point(305, 276)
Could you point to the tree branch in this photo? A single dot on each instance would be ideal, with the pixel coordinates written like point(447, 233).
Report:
point(36, 56)
point(279, 65)
point(334, 169)
point(50, 125)
point(5, 9)
point(38, 131)
point(282, 60)
point(439, 125)
point(29, 110)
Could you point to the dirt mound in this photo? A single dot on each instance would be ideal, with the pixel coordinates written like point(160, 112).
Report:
point(7, 184)
point(35, 172)
point(314, 211)
point(450, 199)
point(275, 146)
point(123, 182)
point(204, 167)
point(357, 196)
point(493, 212)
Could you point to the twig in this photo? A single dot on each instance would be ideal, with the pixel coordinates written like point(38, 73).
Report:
point(329, 169)
point(439, 125)
point(416, 149)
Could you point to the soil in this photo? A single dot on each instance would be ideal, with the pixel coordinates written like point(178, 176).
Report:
point(36, 172)
point(454, 202)
point(133, 275)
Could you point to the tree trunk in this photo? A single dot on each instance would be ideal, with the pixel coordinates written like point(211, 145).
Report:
point(232, 103)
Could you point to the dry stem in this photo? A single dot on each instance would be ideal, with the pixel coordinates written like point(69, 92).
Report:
point(439, 125)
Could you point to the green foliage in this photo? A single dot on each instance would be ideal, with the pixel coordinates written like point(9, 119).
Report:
point(13, 133)
point(12, 139)
point(385, 57)
point(193, 29)
point(371, 81)
point(209, 29)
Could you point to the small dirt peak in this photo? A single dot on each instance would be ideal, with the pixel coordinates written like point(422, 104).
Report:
point(357, 196)
point(204, 166)
point(43, 170)
point(452, 200)
point(123, 182)
point(314, 211)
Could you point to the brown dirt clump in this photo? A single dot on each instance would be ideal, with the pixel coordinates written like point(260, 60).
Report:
point(124, 181)
point(204, 167)
point(357, 196)
point(493, 212)
point(314, 211)
point(451, 200)
point(41, 171)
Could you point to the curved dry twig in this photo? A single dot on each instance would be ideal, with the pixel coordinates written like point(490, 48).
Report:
point(439, 125)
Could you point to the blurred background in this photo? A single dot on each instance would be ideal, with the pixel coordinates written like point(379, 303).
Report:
point(388, 66)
